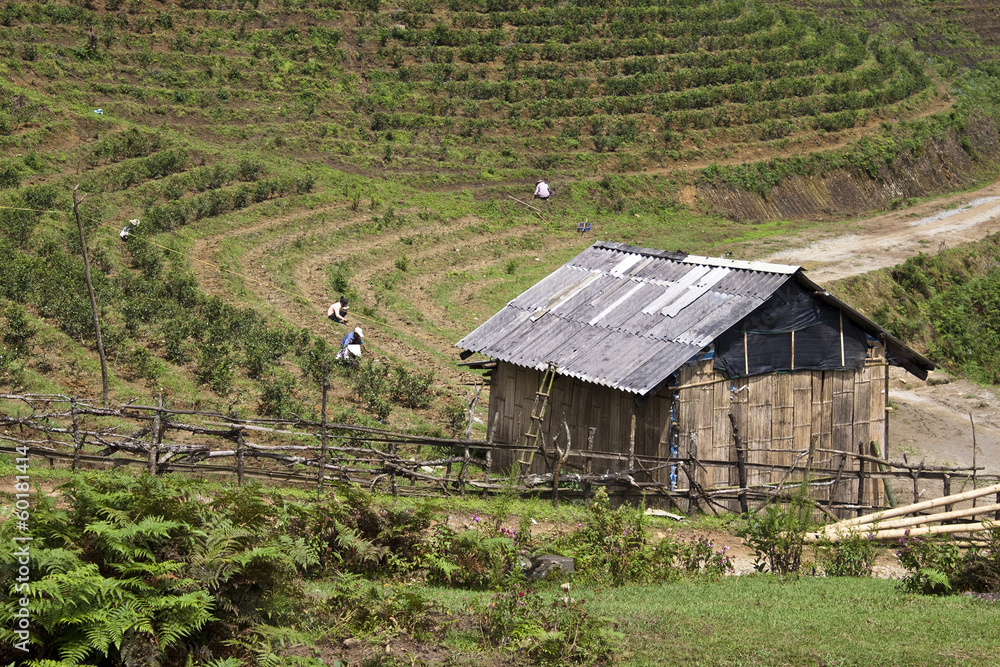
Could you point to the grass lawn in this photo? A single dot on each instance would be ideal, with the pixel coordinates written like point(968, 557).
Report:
point(762, 620)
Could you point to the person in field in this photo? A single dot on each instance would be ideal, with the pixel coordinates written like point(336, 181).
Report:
point(338, 310)
point(542, 190)
point(350, 346)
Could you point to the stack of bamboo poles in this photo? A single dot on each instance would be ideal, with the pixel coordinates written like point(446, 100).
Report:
point(885, 526)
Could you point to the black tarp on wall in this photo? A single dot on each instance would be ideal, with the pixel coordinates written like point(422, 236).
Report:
point(766, 334)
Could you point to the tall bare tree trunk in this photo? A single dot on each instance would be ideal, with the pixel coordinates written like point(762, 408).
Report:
point(93, 299)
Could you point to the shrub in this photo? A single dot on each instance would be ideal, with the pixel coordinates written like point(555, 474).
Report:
point(10, 174)
point(277, 396)
point(216, 367)
point(852, 556)
point(560, 632)
point(17, 330)
point(138, 571)
point(411, 390)
point(469, 559)
point(932, 562)
point(777, 535)
point(612, 543)
point(140, 364)
point(371, 383)
point(368, 607)
point(351, 532)
point(937, 565)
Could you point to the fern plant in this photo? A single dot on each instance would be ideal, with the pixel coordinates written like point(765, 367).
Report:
point(138, 571)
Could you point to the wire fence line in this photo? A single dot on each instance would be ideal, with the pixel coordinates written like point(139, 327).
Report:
point(80, 432)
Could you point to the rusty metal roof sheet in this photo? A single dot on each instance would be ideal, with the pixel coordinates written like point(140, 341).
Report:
point(627, 317)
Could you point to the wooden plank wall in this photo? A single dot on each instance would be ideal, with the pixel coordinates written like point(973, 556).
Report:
point(583, 406)
point(779, 415)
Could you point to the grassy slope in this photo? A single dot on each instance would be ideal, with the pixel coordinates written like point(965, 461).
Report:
point(415, 138)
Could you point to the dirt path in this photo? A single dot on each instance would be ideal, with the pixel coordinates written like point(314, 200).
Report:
point(888, 239)
point(933, 420)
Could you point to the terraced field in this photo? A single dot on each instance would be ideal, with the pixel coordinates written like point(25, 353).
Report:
point(281, 153)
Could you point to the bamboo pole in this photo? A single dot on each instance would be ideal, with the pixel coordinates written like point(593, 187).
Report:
point(886, 484)
point(93, 300)
point(154, 446)
point(897, 533)
point(240, 456)
point(320, 469)
point(537, 212)
point(909, 521)
point(862, 480)
point(974, 479)
point(77, 443)
point(741, 465)
point(918, 507)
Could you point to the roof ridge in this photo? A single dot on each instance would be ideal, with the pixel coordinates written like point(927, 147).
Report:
point(679, 256)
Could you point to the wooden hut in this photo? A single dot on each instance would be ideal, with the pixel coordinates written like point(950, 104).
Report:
point(639, 358)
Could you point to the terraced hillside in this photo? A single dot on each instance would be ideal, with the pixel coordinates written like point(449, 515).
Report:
point(280, 153)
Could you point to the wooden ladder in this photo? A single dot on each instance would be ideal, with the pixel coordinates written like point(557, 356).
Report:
point(538, 416)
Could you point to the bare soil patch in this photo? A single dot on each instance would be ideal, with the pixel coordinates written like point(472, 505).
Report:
point(932, 420)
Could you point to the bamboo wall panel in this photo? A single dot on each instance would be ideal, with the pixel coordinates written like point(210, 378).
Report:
point(802, 437)
point(583, 406)
point(722, 439)
point(780, 416)
point(782, 420)
point(758, 430)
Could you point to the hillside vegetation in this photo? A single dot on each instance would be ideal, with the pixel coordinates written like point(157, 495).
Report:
point(278, 154)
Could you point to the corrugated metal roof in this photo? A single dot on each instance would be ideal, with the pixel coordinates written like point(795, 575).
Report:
point(628, 317)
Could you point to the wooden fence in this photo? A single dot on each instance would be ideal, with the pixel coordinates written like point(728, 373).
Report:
point(78, 433)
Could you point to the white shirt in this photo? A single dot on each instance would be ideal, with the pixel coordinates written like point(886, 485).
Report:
point(542, 190)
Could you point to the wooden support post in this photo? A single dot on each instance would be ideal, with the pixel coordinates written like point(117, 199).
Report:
point(239, 456)
point(746, 356)
point(861, 478)
point(77, 443)
point(631, 447)
point(322, 427)
point(588, 465)
point(562, 455)
point(154, 445)
point(393, 477)
point(974, 473)
point(793, 350)
point(946, 490)
point(93, 299)
point(915, 474)
point(462, 471)
point(836, 481)
point(885, 390)
point(843, 361)
point(490, 440)
point(886, 482)
point(741, 465)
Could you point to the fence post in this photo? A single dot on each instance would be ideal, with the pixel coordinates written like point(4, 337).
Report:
point(741, 465)
point(77, 445)
point(154, 445)
point(322, 432)
point(589, 464)
point(975, 476)
point(239, 455)
point(395, 481)
point(861, 478)
point(886, 482)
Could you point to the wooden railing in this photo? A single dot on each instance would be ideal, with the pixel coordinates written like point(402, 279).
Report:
point(78, 433)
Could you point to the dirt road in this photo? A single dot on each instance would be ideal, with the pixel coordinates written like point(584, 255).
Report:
point(937, 419)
